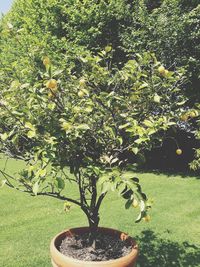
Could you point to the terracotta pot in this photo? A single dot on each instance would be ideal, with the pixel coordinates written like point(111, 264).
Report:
point(60, 260)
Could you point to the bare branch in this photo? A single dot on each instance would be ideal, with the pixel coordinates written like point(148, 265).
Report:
point(81, 191)
point(99, 201)
point(94, 193)
point(58, 196)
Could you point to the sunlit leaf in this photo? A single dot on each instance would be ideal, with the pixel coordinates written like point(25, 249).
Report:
point(31, 134)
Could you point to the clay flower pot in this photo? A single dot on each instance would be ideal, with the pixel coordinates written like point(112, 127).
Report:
point(60, 260)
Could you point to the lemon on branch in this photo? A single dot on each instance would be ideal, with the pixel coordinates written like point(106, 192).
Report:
point(52, 84)
point(135, 203)
point(179, 151)
point(161, 70)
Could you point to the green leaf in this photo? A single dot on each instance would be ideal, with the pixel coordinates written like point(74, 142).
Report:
point(135, 180)
point(60, 183)
point(85, 91)
point(106, 187)
point(142, 205)
point(151, 131)
point(96, 170)
point(148, 123)
point(42, 172)
point(88, 109)
point(31, 134)
point(36, 188)
point(114, 160)
point(128, 203)
point(83, 127)
point(127, 175)
point(171, 123)
point(181, 103)
point(4, 136)
point(120, 188)
point(120, 139)
point(143, 211)
point(110, 130)
point(124, 126)
point(141, 140)
point(102, 179)
point(30, 126)
point(127, 193)
point(135, 150)
point(84, 60)
point(139, 218)
point(156, 98)
point(144, 85)
point(108, 48)
point(30, 170)
point(66, 126)
point(51, 106)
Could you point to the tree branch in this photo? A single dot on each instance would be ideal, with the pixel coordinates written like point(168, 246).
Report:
point(81, 191)
point(50, 194)
point(94, 193)
point(99, 201)
point(58, 196)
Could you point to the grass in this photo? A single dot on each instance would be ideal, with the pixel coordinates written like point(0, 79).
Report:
point(172, 238)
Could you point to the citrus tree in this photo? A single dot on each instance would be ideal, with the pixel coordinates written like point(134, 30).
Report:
point(90, 117)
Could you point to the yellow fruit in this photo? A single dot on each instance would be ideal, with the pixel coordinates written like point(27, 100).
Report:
point(161, 70)
point(82, 82)
point(52, 84)
point(81, 93)
point(166, 72)
point(135, 203)
point(179, 151)
point(184, 117)
point(147, 218)
point(46, 61)
point(193, 114)
point(67, 206)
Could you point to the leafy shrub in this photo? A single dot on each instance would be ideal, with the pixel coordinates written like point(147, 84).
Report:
point(34, 29)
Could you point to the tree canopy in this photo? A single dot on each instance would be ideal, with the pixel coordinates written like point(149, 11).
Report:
point(64, 31)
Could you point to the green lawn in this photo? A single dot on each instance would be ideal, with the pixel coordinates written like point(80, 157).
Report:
point(172, 238)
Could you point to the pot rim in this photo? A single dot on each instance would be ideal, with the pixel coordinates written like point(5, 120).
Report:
point(132, 254)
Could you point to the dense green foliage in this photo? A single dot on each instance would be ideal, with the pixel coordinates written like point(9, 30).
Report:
point(61, 30)
point(87, 118)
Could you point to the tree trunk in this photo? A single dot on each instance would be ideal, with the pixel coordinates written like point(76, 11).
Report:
point(93, 226)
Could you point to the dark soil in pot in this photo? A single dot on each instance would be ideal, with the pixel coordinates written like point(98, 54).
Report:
point(108, 247)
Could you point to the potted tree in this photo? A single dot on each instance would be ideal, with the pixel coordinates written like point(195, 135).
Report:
point(93, 121)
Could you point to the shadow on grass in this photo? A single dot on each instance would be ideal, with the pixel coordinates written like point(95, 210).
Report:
point(158, 252)
point(172, 173)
